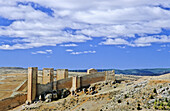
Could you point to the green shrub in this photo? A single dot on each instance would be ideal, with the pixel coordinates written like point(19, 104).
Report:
point(119, 101)
point(161, 86)
point(125, 96)
point(154, 90)
point(155, 107)
point(139, 105)
point(162, 104)
point(166, 100)
point(160, 107)
point(168, 103)
point(138, 108)
point(155, 103)
point(151, 97)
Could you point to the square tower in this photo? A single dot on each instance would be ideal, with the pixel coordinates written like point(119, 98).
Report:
point(48, 75)
point(91, 71)
point(110, 75)
point(32, 84)
point(62, 74)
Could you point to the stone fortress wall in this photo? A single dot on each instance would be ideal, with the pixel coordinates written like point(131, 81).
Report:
point(37, 85)
point(61, 81)
point(12, 102)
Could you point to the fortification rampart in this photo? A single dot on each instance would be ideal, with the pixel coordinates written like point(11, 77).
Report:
point(12, 102)
point(47, 83)
point(37, 85)
point(92, 78)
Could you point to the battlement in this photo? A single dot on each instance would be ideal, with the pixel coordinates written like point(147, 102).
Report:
point(61, 81)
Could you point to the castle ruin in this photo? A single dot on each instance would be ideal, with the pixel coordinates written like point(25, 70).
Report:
point(49, 83)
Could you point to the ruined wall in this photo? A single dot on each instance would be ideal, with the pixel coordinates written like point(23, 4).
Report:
point(12, 102)
point(110, 76)
point(64, 83)
point(62, 74)
point(22, 86)
point(44, 88)
point(92, 78)
point(91, 71)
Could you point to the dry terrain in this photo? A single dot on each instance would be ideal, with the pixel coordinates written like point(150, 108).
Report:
point(9, 82)
point(148, 93)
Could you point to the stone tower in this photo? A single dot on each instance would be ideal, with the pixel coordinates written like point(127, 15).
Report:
point(110, 75)
point(62, 74)
point(48, 75)
point(91, 71)
point(32, 84)
point(76, 83)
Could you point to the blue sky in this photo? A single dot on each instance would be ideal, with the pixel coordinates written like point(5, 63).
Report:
point(81, 34)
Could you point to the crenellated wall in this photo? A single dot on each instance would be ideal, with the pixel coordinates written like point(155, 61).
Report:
point(71, 83)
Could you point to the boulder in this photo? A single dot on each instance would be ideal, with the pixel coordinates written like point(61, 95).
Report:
point(27, 103)
point(48, 96)
point(40, 98)
point(47, 100)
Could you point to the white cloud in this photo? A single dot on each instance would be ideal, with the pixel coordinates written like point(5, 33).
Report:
point(139, 42)
point(92, 45)
point(159, 50)
point(165, 45)
point(69, 50)
point(68, 45)
point(117, 41)
point(115, 20)
point(49, 51)
point(83, 52)
point(153, 39)
point(43, 52)
point(122, 47)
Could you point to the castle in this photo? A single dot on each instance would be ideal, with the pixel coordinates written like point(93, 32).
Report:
point(46, 80)
point(61, 80)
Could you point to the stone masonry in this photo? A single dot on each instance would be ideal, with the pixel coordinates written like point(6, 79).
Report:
point(48, 75)
point(91, 71)
point(76, 83)
point(32, 83)
point(62, 80)
point(62, 74)
point(110, 75)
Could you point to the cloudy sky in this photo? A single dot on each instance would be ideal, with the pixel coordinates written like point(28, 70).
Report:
point(79, 34)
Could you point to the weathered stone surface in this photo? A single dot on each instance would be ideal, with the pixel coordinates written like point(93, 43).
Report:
point(48, 75)
point(32, 84)
point(62, 74)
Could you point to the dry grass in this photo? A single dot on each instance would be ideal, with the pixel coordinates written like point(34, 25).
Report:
point(9, 83)
point(154, 82)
